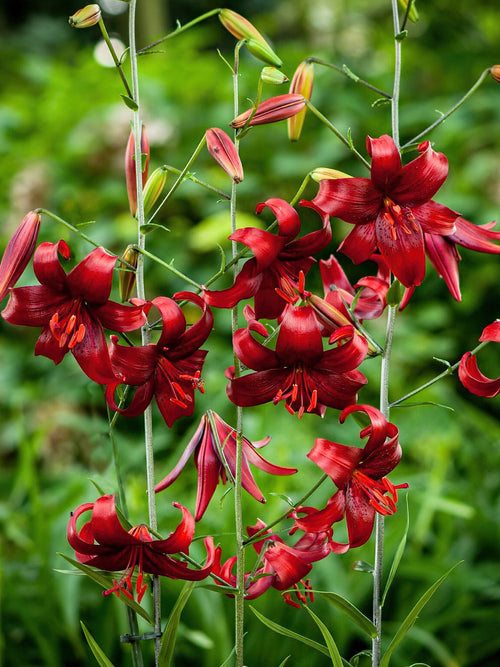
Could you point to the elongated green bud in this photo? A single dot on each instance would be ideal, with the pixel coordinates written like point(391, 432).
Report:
point(273, 76)
point(302, 83)
point(324, 173)
point(126, 278)
point(412, 14)
point(241, 28)
point(85, 17)
point(154, 187)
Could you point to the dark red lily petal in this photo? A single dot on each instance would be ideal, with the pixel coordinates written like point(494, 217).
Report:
point(197, 333)
point(360, 515)
point(319, 521)
point(336, 460)
point(92, 277)
point(419, 180)
point(253, 354)
point(299, 337)
point(47, 266)
point(444, 258)
point(257, 388)
point(403, 249)
point(82, 546)
point(33, 306)
point(491, 332)
point(475, 381)
point(175, 385)
point(246, 284)
point(355, 200)
point(120, 317)
point(135, 365)
point(435, 218)
point(180, 540)
point(311, 243)
point(360, 243)
point(91, 352)
point(386, 161)
point(287, 564)
point(349, 353)
point(264, 245)
point(288, 218)
point(475, 237)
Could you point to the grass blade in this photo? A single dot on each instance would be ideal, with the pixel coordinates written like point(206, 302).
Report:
point(99, 654)
point(169, 635)
point(333, 651)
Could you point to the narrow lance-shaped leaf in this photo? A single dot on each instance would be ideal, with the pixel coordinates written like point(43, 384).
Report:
point(397, 556)
point(330, 642)
point(170, 632)
point(99, 654)
point(352, 612)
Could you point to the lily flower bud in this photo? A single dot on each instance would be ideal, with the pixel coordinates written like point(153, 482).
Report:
point(302, 83)
point(241, 28)
point(130, 167)
point(273, 76)
point(18, 252)
point(154, 187)
point(324, 173)
point(272, 110)
point(495, 72)
point(412, 14)
point(85, 17)
point(126, 278)
point(224, 152)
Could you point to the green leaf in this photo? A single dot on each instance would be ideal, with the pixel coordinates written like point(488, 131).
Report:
point(333, 651)
point(351, 611)
point(106, 582)
point(170, 632)
point(289, 633)
point(362, 566)
point(397, 556)
point(283, 662)
point(99, 654)
point(394, 293)
point(412, 617)
point(380, 102)
point(132, 104)
point(151, 226)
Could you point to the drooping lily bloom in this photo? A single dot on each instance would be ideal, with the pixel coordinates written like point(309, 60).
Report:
point(168, 370)
point(18, 252)
point(282, 566)
point(299, 371)
point(469, 373)
point(277, 263)
point(104, 543)
point(73, 308)
point(359, 475)
point(214, 447)
point(393, 209)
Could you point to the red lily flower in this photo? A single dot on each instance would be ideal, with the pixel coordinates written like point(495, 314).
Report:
point(277, 263)
point(214, 447)
point(284, 566)
point(18, 252)
point(359, 475)
point(73, 308)
point(392, 209)
point(170, 369)
point(299, 371)
point(103, 543)
point(469, 373)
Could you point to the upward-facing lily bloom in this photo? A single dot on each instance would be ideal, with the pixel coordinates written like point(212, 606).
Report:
point(469, 373)
point(104, 543)
point(393, 209)
point(299, 372)
point(214, 447)
point(277, 262)
point(168, 370)
point(73, 308)
point(359, 475)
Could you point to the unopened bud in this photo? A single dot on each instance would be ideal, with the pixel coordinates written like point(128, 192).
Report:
point(272, 110)
point(130, 167)
point(85, 17)
point(154, 187)
point(224, 152)
point(273, 76)
point(302, 83)
point(18, 252)
point(126, 278)
point(495, 72)
point(241, 28)
point(324, 173)
point(412, 14)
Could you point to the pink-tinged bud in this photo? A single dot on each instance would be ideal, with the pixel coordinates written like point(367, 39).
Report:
point(18, 252)
point(223, 151)
point(495, 72)
point(154, 187)
point(130, 167)
point(273, 76)
point(126, 278)
point(272, 110)
point(302, 83)
point(85, 17)
point(241, 28)
point(324, 173)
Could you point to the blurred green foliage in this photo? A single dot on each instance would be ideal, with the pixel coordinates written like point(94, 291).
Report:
point(63, 129)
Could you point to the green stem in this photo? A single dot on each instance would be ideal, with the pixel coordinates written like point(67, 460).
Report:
point(446, 115)
point(193, 178)
point(116, 60)
point(167, 266)
point(180, 29)
point(350, 75)
point(448, 371)
point(337, 133)
point(239, 598)
point(145, 334)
